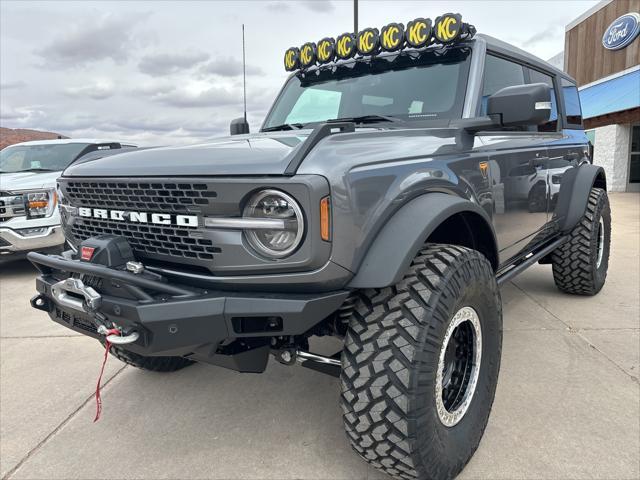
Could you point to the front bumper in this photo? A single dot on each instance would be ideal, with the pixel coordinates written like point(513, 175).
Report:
point(230, 329)
point(14, 242)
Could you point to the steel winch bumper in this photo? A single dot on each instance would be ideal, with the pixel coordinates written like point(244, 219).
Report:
point(230, 329)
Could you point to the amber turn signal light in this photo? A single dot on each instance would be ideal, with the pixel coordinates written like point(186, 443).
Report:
point(325, 219)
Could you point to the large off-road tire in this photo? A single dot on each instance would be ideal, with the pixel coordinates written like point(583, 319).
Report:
point(154, 364)
point(404, 411)
point(580, 265)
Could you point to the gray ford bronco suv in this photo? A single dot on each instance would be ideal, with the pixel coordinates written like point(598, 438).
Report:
point(400, 177)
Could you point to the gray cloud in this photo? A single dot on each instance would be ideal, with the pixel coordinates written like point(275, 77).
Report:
point(542, 36)
point(166, 63)
point(86, 42)
point(277, 7)
point(228, 67)
point(213, 97)
point(12, 85)
point(320, 6)
point(96, 91)
point(151, 89)
point(26, 115)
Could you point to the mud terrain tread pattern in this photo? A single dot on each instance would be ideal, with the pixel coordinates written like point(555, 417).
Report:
point(383, 346)
point(573, 265)
point(154, 364)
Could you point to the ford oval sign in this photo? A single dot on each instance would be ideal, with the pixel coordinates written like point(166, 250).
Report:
point(622, 31)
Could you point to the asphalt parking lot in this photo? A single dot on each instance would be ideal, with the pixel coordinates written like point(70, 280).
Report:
point(567, 404)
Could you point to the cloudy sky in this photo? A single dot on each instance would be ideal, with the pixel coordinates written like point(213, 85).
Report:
point(160, 73)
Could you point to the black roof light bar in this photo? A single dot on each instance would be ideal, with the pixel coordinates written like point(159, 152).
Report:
point(419, 33)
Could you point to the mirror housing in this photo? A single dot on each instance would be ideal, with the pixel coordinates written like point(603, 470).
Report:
point(521, 105)
point(239, 126)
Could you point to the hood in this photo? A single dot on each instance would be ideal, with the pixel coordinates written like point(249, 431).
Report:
point(252, 154)
point(11, 182)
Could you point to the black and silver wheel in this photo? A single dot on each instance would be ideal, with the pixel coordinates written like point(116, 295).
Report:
point(420, 365)
point(458, 366)
point(580, 265)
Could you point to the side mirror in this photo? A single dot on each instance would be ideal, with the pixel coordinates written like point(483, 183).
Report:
point(521, 105)
point(239, 126)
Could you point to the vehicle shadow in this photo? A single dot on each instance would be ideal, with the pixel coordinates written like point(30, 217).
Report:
point(16, 268)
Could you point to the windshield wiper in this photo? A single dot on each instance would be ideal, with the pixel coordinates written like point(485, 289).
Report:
point(368, 119)
point(284, 126)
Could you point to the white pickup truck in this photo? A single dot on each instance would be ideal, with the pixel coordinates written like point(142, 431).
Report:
point(29, 218)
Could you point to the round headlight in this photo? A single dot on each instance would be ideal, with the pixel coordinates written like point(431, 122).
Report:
point(282, 233)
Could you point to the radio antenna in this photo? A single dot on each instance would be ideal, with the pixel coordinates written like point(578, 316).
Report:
point(244, 78)
point(355, 17)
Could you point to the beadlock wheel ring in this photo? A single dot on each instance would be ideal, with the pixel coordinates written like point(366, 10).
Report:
point(458, 366)
point(600, 243)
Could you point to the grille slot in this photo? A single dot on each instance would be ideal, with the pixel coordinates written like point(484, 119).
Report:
point(165, 197)
point(149, 239)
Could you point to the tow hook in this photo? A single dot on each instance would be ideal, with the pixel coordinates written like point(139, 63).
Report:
point(118, 339)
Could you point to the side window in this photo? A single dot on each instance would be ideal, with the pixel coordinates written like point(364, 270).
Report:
point(572, 104)
point(313, 104)
point(539, 77)
point(499, 73)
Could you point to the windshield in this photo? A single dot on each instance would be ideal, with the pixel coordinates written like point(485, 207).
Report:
point(25, 158)
point(406, 89)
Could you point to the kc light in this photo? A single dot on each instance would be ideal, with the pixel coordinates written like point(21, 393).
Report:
point(308, 54)
point(278, 223)
point(326, 50)
point(292, 59)
point(392, 37)
point(368, 41)
point(40, 204)
point(447, 27)
point(345, 46)
point(418, 32)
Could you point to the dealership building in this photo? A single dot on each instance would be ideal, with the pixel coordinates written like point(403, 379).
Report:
point(602, 52)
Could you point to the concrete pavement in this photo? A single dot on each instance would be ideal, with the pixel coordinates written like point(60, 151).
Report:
point(567, 404)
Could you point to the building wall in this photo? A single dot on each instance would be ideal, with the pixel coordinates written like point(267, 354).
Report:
point(585, 58)
point(611, 151)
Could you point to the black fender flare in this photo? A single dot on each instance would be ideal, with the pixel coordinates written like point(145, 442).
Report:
point(404, 234)
point(575, 186)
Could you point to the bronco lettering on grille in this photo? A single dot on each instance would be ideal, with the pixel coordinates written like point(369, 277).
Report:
point(139, 217)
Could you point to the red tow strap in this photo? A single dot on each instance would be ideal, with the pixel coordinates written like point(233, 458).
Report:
point(107, 345)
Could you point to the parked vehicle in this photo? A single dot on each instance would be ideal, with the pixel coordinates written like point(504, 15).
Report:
point(29, 219)
point(372, 206)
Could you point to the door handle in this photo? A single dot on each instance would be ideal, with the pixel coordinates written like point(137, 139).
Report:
point(572, 156)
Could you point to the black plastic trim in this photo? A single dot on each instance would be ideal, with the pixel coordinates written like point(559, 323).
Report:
point(389, 257)
point(320, 132)
point(575, 186)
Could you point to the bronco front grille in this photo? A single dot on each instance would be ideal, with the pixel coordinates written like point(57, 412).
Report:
point(173, 197)
point(164, 197)
point(161, 240)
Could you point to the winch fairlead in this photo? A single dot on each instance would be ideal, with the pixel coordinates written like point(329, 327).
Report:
point(418, 33)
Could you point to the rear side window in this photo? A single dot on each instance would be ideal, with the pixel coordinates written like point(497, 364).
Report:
point(498, 74)
point(571, 104)
point(539, 77)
